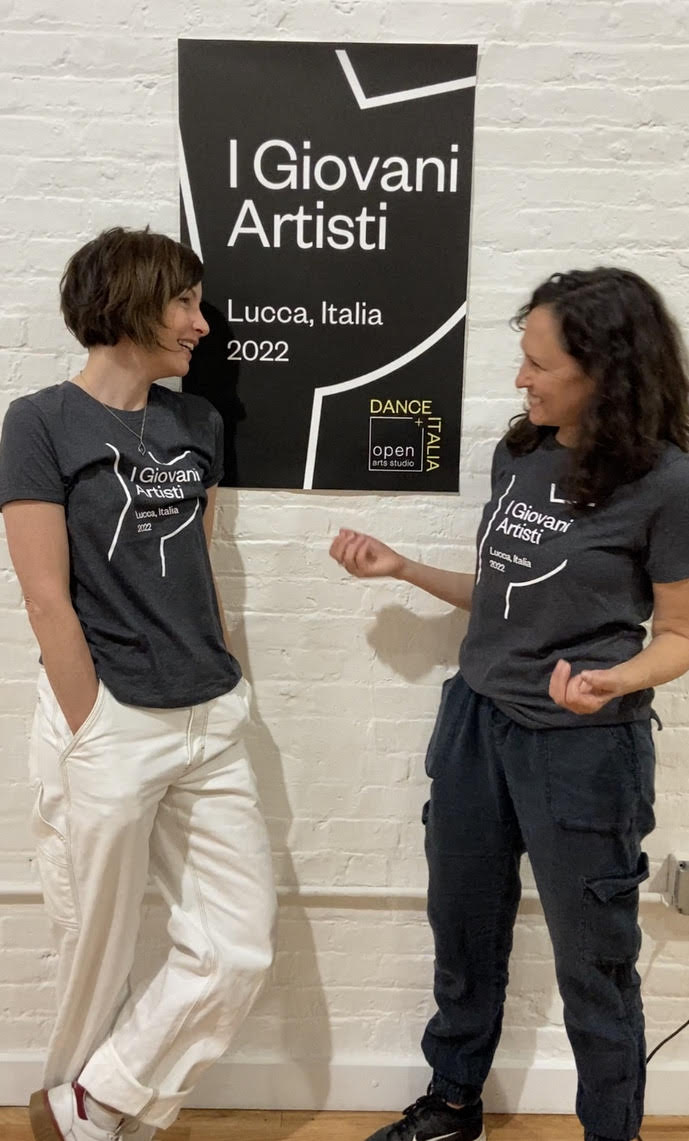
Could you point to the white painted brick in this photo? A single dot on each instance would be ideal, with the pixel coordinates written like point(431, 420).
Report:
point(16, 695)
point(12, 331)
point(602, 146)
point(16, 836)
point(15, 998)
point(523, 106)
point(56, 176)
point(631, 63)
point(10, 591)
point(17, 800)
point(488, 21)
point(34, 370)
point(668, 980)
point(41, 15)
point(26, 965)
point(580, 155)
point(28, 1033)
point(25, 927)
point(635, 21)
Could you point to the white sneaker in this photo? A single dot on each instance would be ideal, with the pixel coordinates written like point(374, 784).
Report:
point(59, 1114)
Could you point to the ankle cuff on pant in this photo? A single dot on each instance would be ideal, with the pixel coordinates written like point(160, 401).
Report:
point(106, 1078)
point(453, 1091)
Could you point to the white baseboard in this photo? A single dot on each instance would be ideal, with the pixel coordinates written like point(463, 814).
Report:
point(514, 1087)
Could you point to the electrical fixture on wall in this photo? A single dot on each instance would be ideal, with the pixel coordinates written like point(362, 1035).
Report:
point(678, 883)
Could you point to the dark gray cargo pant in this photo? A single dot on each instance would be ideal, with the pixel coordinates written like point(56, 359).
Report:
point(579, 801)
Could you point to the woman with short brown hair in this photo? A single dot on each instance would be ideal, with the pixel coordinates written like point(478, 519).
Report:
point(138, 757)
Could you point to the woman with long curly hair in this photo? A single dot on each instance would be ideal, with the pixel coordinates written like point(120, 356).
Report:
point(138, 753)
point(543, 740)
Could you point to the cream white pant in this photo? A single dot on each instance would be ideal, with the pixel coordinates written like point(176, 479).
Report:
point(170, 793)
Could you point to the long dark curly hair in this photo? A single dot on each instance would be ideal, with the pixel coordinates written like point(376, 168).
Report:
point(616, 326)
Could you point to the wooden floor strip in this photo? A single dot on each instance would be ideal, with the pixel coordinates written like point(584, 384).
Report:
point(243, 1125)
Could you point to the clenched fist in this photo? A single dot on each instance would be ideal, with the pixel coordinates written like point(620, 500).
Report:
point(364, 556)
point(587, 692)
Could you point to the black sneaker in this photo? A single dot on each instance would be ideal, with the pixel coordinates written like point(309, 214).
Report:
point(432, 1119)
point(597, 1137)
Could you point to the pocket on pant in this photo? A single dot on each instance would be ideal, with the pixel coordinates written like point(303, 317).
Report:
point(245, 691)
point(442, 729)
point(233, 707)
point(73, 739)
point(610, 929)
point(53, 866)
point(55, 727)
point(592, 778)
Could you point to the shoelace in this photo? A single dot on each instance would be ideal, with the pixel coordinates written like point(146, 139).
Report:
point(411, 1113)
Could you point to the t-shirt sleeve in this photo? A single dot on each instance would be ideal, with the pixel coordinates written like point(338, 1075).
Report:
point(29, 468)
point(667, 556)
point(217, 467)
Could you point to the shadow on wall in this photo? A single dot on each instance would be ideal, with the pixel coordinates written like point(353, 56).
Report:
point(213, 376)
point(412, 645)
point(284, 1025)
point(301, 1031)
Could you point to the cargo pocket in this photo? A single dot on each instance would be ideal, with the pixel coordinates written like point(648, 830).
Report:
point(53, 867)
point(592, 778)
point(610, 929)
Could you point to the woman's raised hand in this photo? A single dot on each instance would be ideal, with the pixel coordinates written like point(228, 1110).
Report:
point(364, 556)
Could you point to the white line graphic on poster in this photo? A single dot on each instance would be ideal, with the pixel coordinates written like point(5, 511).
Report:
point(319, 394)
point(188, 201)
point(364, 102)
point(367, 101)
point(370, 439)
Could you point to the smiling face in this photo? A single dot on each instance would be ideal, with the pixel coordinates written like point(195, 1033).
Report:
point(556, 389)
point(181, 329)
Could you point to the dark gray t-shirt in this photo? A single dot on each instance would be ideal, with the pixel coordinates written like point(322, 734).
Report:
point(551, 584)
point(141, 582)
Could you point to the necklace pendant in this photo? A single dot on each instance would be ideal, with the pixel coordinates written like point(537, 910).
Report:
point(141, 448)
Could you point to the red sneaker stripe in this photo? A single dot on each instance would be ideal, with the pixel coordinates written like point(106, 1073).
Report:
point(80, 1094)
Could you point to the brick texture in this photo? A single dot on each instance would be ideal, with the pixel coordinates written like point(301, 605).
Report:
point(581, 151)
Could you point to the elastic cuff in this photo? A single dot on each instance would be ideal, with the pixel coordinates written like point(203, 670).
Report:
point(454, 1091)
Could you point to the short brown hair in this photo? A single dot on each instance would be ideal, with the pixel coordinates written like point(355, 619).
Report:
point(119, 284)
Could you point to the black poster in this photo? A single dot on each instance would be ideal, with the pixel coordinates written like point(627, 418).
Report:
point(327, 189)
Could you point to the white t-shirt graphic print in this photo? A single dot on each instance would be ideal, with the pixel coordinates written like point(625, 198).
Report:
point(552, 583)
point(516, 519)
point(141, 582)
point(154, 491)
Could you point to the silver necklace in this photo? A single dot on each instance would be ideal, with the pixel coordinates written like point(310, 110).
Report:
point(141, 447)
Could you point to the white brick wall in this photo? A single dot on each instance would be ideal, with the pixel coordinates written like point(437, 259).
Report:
point(581, 149)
